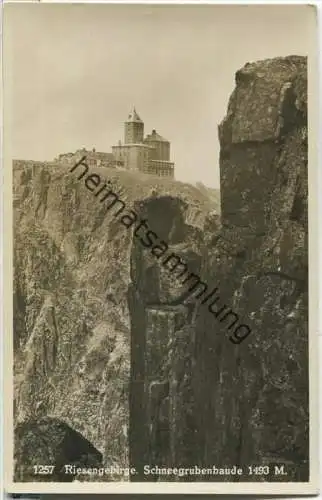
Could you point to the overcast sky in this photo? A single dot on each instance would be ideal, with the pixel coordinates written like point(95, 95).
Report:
point(75, 71)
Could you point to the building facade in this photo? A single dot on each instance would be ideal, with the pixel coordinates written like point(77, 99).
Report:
point(93, 158)
point(150, 155)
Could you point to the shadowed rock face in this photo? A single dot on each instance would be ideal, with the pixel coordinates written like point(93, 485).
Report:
point(257, 409)
point(217, 402)
point(50, 441)
point(159, 318)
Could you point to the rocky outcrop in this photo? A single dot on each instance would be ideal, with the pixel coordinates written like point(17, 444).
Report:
point(257, 411)
point(110, 340)
point(161, 332)
point(71, 318)
point(49, 441)
point(199, 394)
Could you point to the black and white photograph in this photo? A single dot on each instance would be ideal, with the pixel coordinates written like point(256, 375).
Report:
point(160, 196)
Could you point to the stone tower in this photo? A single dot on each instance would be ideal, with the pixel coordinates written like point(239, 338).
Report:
point(133, 129)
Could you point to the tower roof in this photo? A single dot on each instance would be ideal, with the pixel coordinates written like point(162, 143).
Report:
point(134, 117)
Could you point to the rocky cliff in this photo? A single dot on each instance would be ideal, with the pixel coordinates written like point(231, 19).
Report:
point(203, 393)
point(134, 358)
point(71, 318)
point(257, 391)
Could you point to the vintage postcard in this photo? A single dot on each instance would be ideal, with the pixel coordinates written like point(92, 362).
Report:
point(160, 230)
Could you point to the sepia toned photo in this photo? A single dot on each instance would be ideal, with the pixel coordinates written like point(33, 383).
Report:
point(160, 222)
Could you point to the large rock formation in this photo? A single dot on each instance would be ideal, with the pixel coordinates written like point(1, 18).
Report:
point(49, 441)
point(107, 336)
point(71, 318)
point(199, 395)
point(257, 392)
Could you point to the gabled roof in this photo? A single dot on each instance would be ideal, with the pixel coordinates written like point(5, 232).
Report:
point(134, 117)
